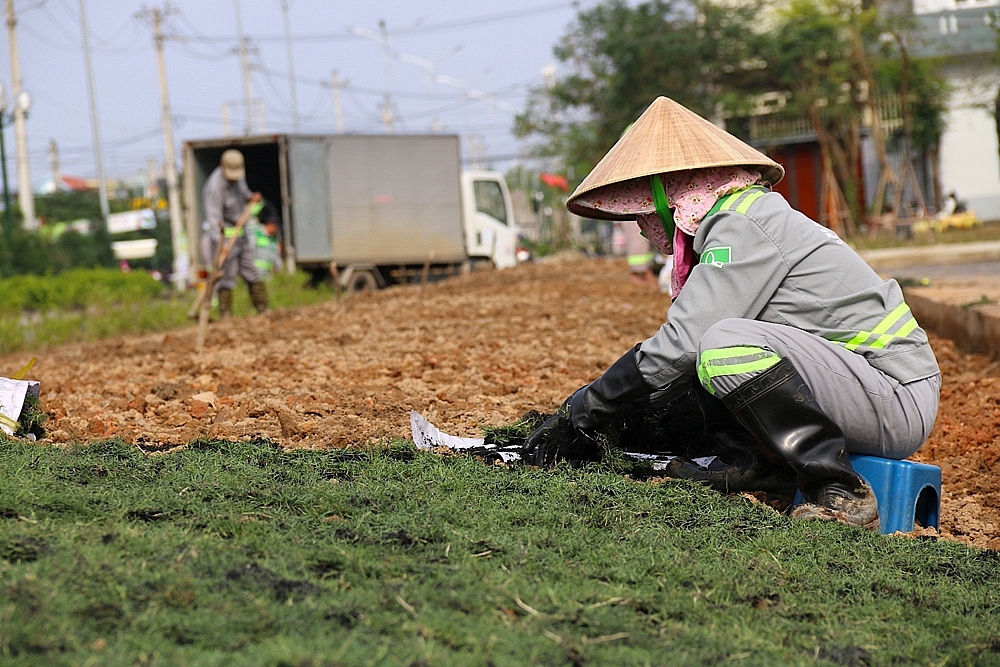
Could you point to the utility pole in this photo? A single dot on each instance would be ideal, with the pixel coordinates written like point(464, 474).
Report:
point(248, 126)
point(387, 111)
point(156, 16)
point(338, 111)
point(24, 195)
point(388, 118)
point(95, 125)
point(54, 163)
point(291, 66)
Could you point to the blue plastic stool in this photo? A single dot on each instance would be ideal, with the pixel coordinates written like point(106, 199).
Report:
point(907, 492)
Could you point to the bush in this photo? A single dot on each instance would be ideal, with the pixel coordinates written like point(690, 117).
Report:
point(76, 289)
point(24, 252)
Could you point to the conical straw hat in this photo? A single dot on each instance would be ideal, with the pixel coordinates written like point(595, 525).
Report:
point(667, 137)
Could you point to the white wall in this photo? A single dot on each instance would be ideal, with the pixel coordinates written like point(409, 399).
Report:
point(970, 161)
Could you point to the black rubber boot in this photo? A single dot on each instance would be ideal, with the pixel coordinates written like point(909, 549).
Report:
point(779, 410)
point(258, 296)
point(225, 302)
point(741, 465)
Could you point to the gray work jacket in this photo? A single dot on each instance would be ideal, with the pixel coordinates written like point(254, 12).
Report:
point(224, 200)
point(762, 260)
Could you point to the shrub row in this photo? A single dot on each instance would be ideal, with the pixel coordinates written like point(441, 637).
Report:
point(76, 289)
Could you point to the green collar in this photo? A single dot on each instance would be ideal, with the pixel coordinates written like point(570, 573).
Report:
point(662, 205)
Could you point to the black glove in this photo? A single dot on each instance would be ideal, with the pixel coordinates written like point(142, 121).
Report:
point(587, 410)
point(552, 440)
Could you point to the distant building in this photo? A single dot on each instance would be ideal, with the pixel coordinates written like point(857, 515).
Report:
point(962, 33)
point(65, 184)
point(959, 32)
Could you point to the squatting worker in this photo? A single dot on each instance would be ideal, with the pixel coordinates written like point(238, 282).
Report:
point(800, 353)
point(225, 195)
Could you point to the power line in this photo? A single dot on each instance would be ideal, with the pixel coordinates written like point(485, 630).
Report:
point(464, 23)
point(432, 27)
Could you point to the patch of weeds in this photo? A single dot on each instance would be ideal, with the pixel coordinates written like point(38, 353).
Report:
point(848, 656)
point(255, 575)
point(513, 434)
point(25, 550)
point(32, 419)
point(983, 301)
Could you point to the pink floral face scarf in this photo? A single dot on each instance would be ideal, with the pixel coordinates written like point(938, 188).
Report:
point(691, 194)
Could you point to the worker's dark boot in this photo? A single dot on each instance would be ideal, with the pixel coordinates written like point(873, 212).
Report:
point(779, 410)
point(741, 465)
point(225, 302)
point(258, 296)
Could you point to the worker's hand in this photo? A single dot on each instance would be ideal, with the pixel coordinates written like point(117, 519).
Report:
point(545, 443)
point(256, 197)
point(557, 439)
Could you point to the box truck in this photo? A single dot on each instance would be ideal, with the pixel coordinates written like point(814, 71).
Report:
point(380, 209)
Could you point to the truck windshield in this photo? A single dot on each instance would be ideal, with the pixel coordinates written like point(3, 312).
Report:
point(489, 200)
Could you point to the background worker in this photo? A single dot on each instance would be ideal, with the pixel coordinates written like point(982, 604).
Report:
point(267, 257)
point(225, 195)
point(639, 255)
point(798, 351)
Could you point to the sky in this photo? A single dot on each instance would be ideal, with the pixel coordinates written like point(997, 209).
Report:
point(457, 66)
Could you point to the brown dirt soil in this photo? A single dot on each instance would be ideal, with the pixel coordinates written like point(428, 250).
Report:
point(476, 350)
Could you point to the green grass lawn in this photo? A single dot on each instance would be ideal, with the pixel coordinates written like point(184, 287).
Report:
point(243, 554)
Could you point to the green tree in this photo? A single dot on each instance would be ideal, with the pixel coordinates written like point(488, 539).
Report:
point(922, 91)
point(829, 56)
point(619, 58)
point(817, 53)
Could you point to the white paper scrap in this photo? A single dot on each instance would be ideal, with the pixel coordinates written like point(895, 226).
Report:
point(12, 395)
point(427, 436)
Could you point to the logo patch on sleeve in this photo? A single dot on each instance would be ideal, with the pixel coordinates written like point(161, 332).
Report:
point(717, 256)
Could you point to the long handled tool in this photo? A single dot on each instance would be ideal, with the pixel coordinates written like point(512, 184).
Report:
point(203, 304)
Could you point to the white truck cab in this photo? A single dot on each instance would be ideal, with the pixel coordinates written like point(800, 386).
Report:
point(488, 216)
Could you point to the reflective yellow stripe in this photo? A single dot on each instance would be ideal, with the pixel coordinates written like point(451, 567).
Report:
point(708, 370)
point(751, 198)
point(639, 260)
point(730, 200)
point(882, 327)
point(230, 232)
point(884, 339)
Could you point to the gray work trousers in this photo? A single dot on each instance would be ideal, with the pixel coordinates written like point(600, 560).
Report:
point(878, 415)
point(241, 260)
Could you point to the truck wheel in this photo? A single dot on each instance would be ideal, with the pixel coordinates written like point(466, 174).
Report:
point(362, 281)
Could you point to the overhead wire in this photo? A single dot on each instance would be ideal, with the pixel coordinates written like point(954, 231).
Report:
point(183, 39)
point(433, 27)
point(464, 23)
point(258, 66)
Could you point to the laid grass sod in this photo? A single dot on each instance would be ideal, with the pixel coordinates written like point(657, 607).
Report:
point(243, 554)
